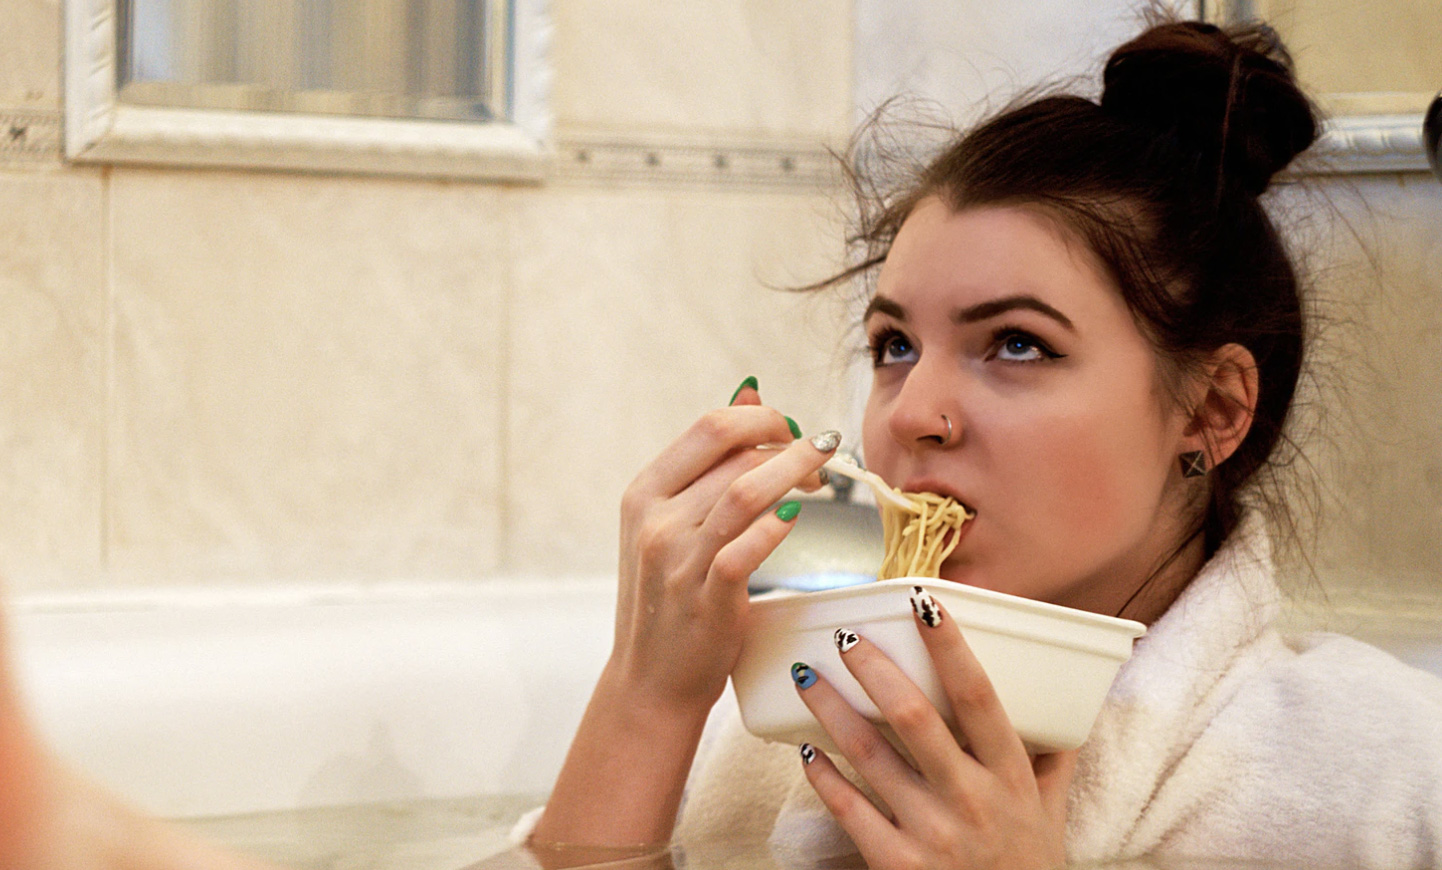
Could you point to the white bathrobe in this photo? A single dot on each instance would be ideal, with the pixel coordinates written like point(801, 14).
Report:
point(1220, 738)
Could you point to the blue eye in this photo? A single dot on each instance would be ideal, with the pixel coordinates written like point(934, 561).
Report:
point(1014, 345)
point(890, 348)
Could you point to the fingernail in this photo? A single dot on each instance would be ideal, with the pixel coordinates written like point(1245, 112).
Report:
point(749, 382)
point(808, 753)
point(845, 639)
point(803, 675)
point(925, 607)
point(826, 441)
point(824, 475)
point(795, 429)
point(787, 512)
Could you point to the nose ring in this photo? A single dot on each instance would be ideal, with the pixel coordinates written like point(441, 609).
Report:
point(947, 420)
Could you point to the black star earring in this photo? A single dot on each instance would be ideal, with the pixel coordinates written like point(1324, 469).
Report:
point(1194, 463)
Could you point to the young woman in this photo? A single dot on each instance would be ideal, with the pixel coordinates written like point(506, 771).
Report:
point(1086, 328)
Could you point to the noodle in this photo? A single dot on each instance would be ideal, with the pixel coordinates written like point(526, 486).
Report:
point(916, 540)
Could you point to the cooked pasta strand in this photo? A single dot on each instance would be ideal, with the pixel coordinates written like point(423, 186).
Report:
point(918, 541)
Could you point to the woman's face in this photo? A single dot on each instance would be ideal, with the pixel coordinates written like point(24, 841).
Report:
point(1062, 441)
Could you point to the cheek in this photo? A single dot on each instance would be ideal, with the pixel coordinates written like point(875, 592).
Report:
point(1100, 481)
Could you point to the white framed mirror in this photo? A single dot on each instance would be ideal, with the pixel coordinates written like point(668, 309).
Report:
point(448, 88)
point(1373, 67)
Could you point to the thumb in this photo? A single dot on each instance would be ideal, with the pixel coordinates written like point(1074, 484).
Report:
point(1053, 779)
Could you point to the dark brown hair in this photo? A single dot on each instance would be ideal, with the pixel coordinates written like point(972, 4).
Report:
point(1161, 179)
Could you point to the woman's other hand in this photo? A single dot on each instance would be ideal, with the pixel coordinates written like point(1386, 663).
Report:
point(988, 805)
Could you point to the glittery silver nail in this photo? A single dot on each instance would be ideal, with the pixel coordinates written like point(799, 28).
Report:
point(846, 639)
point(808, 753)
point(925, 607)
point(824, 475)
point(826, 441)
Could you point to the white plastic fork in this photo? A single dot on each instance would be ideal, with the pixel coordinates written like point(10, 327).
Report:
point(846, 467)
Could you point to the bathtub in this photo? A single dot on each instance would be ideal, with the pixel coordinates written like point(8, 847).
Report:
point(308, 725)
point(224, 702)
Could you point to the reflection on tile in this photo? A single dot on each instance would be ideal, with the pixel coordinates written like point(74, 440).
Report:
point(635, 312)
point(307, 376)
point(440, 834)
point(51, 377)
point(718, 65)
point(30, 63)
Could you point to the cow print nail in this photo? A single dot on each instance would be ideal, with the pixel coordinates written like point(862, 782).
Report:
point(808, 753)
point(845, 639)
point(925, 606)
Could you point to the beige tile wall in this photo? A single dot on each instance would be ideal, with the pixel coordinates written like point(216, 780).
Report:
point(306, 376)
point(249, 376)
point(52, 377)
point(706, 66)
point(30, 61)
point(1377, 451)
point(271, 377)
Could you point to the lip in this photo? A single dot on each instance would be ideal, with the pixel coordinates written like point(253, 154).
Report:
point(925, 484)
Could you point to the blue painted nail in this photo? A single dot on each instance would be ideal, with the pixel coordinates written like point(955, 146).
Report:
point(803, 675)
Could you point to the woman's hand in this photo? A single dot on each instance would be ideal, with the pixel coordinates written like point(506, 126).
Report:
point(988, 805)
point(695, 524)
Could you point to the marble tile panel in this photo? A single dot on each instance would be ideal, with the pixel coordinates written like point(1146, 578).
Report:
point(52, 357)
point(30, 51)
point(738, 68)
point(635, 311)
point(307, 376)
point(1375, 251)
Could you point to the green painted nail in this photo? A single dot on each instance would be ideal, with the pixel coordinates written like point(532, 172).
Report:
point(795, 429)
point(752, 383)
point(788, 511)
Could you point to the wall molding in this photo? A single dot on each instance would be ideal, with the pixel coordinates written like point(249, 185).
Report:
point(1373, 143)
point(754, 163)
point(29, 137)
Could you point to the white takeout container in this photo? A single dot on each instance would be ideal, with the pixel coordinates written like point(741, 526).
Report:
point(1051, 665)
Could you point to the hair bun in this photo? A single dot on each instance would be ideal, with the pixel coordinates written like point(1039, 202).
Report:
point(1227, 96)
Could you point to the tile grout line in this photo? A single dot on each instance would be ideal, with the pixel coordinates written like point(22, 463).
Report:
point(505, 556)
point(107, 403)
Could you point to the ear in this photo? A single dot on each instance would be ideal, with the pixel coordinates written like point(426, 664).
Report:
point(1223, 416)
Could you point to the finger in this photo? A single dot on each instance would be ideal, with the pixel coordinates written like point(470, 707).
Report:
point(756, 490)
point(733, 564)
point(706, 442)
point(979, 714)
point(1054, 774)
point(873, 833)
point(906, 708)
point(749, 393)
point(863, 744)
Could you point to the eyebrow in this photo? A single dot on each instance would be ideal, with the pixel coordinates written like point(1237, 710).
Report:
point(975, 313)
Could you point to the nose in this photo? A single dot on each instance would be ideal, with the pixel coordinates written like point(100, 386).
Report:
point(926, 412)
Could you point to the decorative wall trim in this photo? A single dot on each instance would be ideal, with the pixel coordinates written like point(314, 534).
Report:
point(101, 129)
point(29, 136)
point(618, 160)
point(1373, 143)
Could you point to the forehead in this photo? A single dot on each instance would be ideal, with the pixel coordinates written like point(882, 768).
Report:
point(968, 256)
